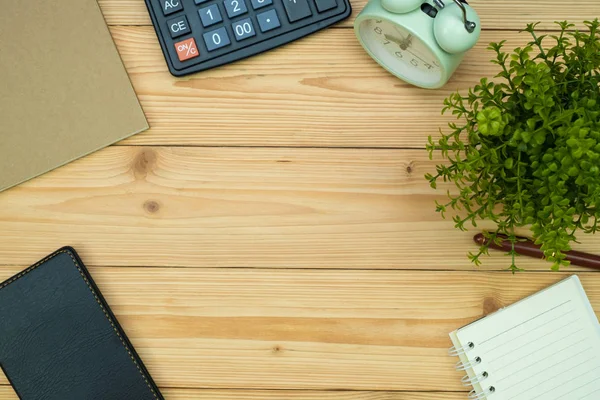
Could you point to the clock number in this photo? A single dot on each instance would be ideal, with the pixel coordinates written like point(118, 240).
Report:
point(429, 66)
point(414, 62)
point(378, 30)
point(387, 42)
point(398, 54)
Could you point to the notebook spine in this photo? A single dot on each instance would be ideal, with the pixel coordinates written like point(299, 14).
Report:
point(467, 364)
point(475, 395)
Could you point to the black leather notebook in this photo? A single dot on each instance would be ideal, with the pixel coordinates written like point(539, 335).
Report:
point(60, 341)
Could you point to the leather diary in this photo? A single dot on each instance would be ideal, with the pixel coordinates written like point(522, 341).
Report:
point(59, 339)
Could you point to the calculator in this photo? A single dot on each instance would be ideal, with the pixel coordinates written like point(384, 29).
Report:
point(200, 34)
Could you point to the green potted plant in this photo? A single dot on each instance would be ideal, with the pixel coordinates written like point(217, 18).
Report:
point(526, 149)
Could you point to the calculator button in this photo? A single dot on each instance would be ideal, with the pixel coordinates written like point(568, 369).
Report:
point(243, 29)
point(171, 6)
point(210, 15)
point(200, 1)
point(216, 39)
point(186, 49)
point(178, 26)
point(268, 21)
point(256, 4)
point(324, 5)
point(235, 8)
point(297, 9)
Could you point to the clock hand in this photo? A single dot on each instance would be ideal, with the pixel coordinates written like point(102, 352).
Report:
point(418, 57)
point(406, 42)
point(399, 33)
point(403, 43)
point(393, 39)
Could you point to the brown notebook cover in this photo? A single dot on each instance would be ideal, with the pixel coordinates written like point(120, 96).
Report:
point(64, 91)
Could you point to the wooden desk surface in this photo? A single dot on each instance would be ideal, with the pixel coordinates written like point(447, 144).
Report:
point(272, 236)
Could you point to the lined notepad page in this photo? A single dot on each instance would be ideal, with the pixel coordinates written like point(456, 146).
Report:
point(546, 347)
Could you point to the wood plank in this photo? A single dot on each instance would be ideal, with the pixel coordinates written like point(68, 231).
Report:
point(318, 92)
point(241, 207)
point(192, 394)
point(6, 393)
point(306, 329)
point(494, 14)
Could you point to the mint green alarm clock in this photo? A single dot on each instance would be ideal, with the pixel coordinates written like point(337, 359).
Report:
point(419, 41)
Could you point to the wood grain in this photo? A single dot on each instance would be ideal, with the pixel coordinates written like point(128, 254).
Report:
point(254, 207)
point(494, 14)
point(6, 393)
point(182, 394)
point(323, 91)
point(306, 329)
point(334, 300)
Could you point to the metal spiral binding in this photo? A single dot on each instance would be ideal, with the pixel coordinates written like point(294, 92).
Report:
point(456, 351)
point(460, 366)
point(468, 381)
point(469, 364)
point(474, 395)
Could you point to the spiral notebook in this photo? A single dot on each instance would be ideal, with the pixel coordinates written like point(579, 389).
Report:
point(545, 347)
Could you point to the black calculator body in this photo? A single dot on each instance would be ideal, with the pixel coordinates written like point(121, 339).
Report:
point(200, 34)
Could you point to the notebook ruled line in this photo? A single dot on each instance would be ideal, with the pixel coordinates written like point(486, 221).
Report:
point(586, 395)
point(551, 378)
point(551, 355)
point(547, 391)
point(524, 322)
point(538, 327)
point(496, 358)
point(543, 370)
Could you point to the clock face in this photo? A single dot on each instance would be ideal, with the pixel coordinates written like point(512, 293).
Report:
point(401, 52)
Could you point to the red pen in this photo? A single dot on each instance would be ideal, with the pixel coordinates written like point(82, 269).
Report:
point(527, 248)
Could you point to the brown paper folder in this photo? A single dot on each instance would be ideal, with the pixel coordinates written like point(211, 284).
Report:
point(64, 92)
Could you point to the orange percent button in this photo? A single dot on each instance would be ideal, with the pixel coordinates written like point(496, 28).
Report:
point(187, 49)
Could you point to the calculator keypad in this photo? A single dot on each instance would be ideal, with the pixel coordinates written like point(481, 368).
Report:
point(268, 21)
point(210, 15)
point(243, 29)
point(187, 49)
point(256, 4)
point(324, 5)
point(178, 26)
point(297, 9)
point(200, 34)
point(216, 39)
point(235, 8)
point(171, 6)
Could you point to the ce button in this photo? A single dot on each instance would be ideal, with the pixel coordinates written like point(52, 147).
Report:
point(178, 26)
